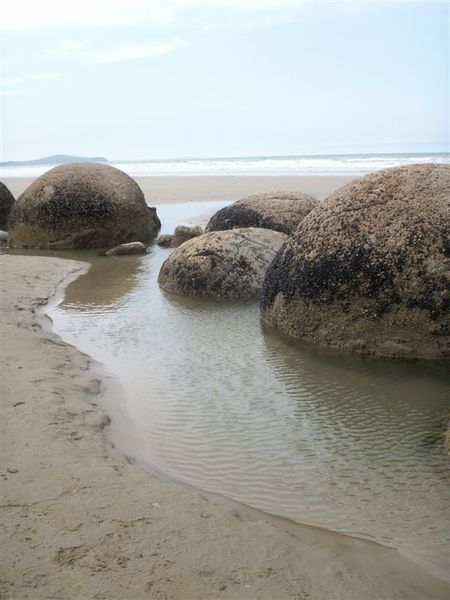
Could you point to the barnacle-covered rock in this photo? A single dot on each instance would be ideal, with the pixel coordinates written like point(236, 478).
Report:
point(280, 211)
point(81, 205)
point(369, 270)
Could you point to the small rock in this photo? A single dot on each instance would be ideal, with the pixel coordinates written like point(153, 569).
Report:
point(12, 470)
point(124, 249)
point(165, 241)
point(182, 234)
point(3, 237)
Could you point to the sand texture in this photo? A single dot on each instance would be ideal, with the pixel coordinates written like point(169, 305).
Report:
point(81, 521)
point(164, 190)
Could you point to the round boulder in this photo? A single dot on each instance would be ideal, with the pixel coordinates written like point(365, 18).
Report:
point(6, 203)
point(227, 264)
point(81, 205)
point(279, 211)
point(368, 271)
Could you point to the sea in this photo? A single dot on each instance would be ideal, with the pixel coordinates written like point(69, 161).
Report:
point(325, 164)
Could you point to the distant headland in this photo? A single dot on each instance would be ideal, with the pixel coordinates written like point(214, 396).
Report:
point(55, 159)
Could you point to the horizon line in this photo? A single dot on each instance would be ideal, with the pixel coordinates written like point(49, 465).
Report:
point(233, 157)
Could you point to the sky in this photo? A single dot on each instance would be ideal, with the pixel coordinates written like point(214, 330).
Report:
point(137, 79)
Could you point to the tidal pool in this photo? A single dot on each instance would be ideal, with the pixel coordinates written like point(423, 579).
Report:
point(213, 398)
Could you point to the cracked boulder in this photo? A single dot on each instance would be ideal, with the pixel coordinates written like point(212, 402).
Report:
point(279, 211)
point(81, 205)
point(6, 203)
point(226, 264)
point(368, 271)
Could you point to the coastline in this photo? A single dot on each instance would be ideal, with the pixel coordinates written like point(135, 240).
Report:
point(173, 189)
point(81, 520)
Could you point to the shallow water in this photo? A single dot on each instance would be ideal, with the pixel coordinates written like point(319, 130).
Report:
point(214, 399)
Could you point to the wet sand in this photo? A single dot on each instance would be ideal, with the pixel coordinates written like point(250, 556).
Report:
point(81, 521)
point(161, 190)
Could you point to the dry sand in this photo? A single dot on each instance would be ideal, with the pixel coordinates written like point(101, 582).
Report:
point(81, 521)
point(159, 190)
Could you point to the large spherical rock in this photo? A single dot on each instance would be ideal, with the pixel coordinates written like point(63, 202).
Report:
point(228, 264)
point(369, 270)
point(81, 205)
point(6, 203)
point(280, 211)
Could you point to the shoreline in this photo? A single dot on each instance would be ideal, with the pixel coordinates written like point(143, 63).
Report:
point(173, 189)
point(81, 520)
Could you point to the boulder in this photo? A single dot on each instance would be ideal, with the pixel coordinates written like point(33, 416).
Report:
point(3, 237)
point(279, 211)
point(6, 203)
point(182, 234)
point(227, 264)
point(368, 271)
point(125, 249)
point(81, 205)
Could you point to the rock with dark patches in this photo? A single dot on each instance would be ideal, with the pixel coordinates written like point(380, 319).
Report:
point(3, 237)
point(81, 205)
point(279, 211)
point(368, 271)
point(6, 203)
point(154, 217)
point(125, 249)
point(182, 234)
point(447, 437)
point(227, 264)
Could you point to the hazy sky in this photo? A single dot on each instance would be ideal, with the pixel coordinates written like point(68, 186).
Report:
point(179, 78)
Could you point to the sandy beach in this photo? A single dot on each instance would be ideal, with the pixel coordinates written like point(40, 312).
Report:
point(82, 521)
point(161, 189)
point(224, 268)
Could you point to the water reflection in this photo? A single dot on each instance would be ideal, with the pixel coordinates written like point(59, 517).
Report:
point(105, 285)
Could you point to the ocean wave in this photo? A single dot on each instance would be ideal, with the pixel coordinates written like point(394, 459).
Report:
point(258, 166)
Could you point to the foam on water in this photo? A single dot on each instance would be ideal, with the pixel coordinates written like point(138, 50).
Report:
point(213, 399)
point(289, 165)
